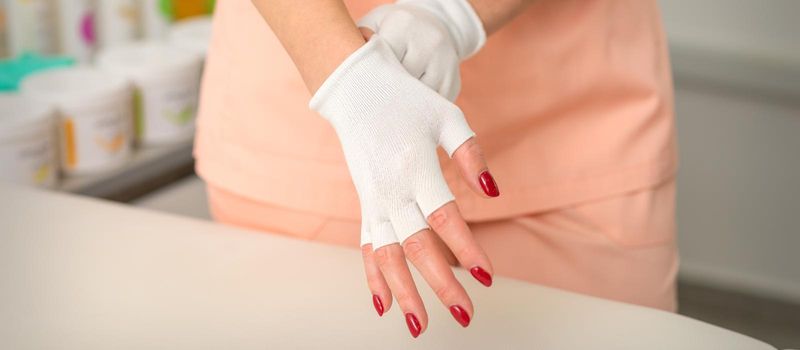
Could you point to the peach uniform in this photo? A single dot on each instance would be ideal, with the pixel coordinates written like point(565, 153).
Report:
point(571, 102)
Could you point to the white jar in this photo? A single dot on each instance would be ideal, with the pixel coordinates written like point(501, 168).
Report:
point(192, 34)
point(155, 18)
point(76, 20)
point(30, 26)
point(27, 142)
point(118, 21)
point(94, 115)
point(167, 82)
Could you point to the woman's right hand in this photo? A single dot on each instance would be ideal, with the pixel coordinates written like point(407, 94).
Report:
point(389, 125)
point(430, 38)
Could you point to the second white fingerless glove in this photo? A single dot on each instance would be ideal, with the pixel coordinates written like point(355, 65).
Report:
point(430, 38)
point(389, 125)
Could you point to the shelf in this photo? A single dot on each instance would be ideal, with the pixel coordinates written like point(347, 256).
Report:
point(148, 168)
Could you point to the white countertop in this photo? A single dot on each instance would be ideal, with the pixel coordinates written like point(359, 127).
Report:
point(80, 273)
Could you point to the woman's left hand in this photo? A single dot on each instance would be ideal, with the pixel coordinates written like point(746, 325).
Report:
point(389, 125)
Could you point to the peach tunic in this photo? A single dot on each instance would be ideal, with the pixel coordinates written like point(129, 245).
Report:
point(571, 101)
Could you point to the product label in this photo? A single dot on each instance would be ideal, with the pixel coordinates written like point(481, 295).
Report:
point(118, 21)
point(86, 29)
point(29, 161)
point(94, 140)
point(70, 155)
point(169, 111)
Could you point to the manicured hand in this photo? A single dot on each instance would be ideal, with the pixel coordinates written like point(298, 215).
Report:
point(390, 125)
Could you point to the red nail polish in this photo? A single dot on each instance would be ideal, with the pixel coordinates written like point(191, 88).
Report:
point(460, 315)
point(488, 184)
point(376, 301)
point(413, 325)
point(481, 275)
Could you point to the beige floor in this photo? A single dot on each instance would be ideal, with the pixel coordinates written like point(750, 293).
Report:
point(775, 322)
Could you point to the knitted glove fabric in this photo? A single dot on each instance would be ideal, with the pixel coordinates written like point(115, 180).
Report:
point(389, 125)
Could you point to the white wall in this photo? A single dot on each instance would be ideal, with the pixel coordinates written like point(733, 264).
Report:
point(739, 182)
point(739, 192)
point(768, 28)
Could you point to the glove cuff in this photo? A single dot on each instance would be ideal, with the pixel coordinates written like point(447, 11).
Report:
point(368, 68)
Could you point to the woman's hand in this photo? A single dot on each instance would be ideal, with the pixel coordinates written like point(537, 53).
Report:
point(430, 38)
point(390, 125)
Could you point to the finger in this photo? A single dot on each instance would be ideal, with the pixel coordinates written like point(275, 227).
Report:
point(440, 76)
point(381, 294)
point(392, 264)
point(433, 79)
point(366, 32)
point(444, 250)
point(450, 226)
point(422, 251)
point(474, 170)
point(415, 61)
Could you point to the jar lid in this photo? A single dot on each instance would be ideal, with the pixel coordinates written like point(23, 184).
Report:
point(75, 86)
point(149, 61)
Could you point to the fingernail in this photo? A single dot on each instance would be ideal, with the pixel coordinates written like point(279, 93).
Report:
point(460, 315)
point(488, 185)
point(481, 275)
point(376, 301)
point(413, 325)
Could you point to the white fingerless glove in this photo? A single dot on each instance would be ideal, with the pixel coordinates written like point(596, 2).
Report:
point(389, 125)
point(430, 37)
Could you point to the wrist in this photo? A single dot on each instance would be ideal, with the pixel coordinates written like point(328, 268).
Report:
point(321, 66)
point(362, 73)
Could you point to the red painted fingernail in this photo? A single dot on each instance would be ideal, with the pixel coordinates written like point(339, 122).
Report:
point(460, 315)
point(376, 301)
point(488, 184)
point(413, 325)
point(481, 275)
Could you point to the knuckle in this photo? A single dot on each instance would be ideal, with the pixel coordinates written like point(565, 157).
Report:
point(463, 251)
point(399, 17)
point(437, 36)
point(404, 297)
point(375, 282)
point(366, 251)
point(446, 292)
point(414, 248)
point(383, 256)
point(438, 220)
point(473, 150)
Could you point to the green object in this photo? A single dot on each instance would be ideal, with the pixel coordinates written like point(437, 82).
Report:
point(167, 8)
point(210, 6)
point(13, 70)
point(138, 115)
point(181, 118)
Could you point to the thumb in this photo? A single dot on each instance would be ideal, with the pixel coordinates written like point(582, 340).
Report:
point(473, 168)
point(459, 141)
point(372, 19)
point(366, 32)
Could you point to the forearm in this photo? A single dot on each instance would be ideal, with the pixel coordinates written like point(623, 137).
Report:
point(318, 35)
point(496, 13)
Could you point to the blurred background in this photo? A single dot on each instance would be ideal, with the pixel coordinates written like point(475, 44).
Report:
point(736, 66)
